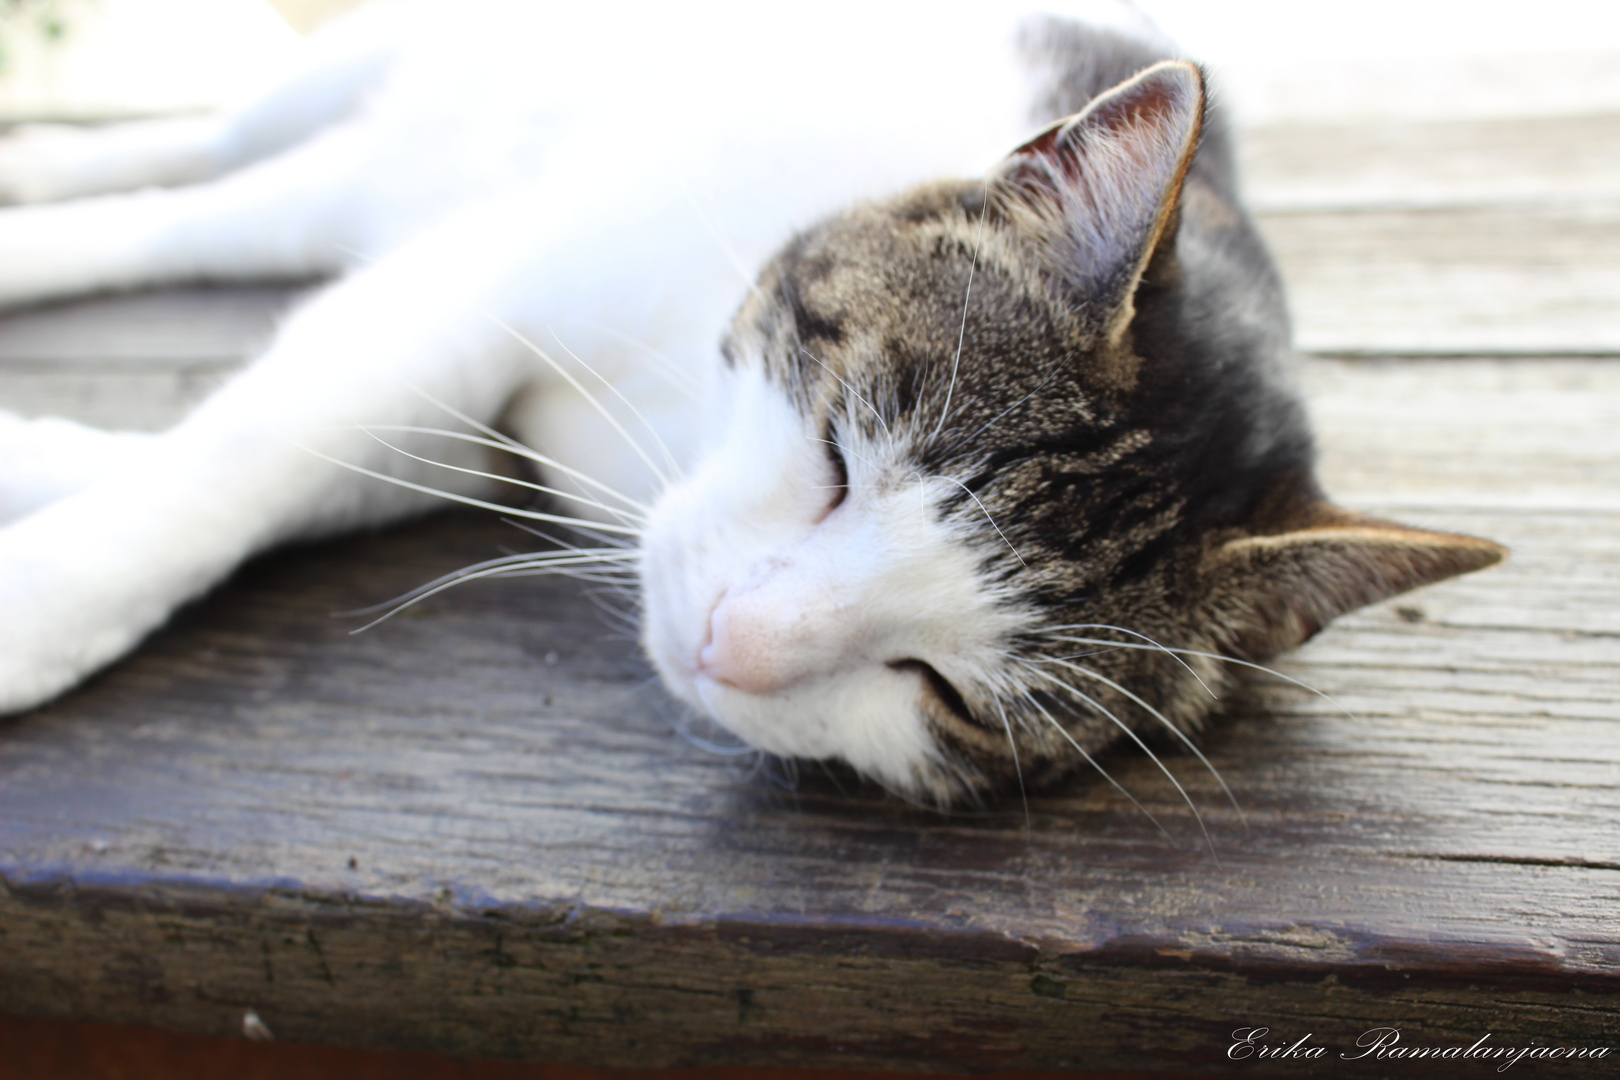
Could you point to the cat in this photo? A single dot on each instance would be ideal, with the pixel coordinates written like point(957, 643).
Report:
point(990, 474)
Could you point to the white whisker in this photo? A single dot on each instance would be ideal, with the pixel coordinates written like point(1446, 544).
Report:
point(842, 450)
point(532, 515)
point(618, 543)
point(679, 377)
point(1135, 738)
point(1124, 645)
point(1017, 769)
point(1155, 647)
point(530, 485)
point(587, 395)
point(709, 747)
point(987, 517)
point(669, 458)
point(456, 575)
point(993, 421)
point(1089, 760)
point(627, 622)
point(492, 568)
point(961, 334)
point(747, 275)
point(519, 450)
point(883, 423)
point(1161, 718)
point(355, 253)
point(477, 425)
point(511, 445)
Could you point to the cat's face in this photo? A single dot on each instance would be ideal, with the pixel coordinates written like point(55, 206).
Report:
point(968, 433)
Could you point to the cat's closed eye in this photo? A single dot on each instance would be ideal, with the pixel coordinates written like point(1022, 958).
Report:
point(837, 487)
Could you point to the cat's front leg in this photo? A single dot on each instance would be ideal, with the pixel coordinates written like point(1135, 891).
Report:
point(52, 162)
point(467, 316)
point(297, 215)
point(275, 455)
point(85, 578)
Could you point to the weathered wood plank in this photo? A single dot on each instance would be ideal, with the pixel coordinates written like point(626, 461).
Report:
point(1508, 434)
point(1481, 236)
point(1453, 281)
point(137, 361)
point(541, 865)
point(1288, 80)
point(1519, 161)
point(480, 829)
point(175, 328)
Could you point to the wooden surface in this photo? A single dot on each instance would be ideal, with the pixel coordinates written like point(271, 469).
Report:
point(41, 1049)
point(482, 829)
point(132, 362)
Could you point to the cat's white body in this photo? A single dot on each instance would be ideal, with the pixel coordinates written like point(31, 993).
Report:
point(497, 182)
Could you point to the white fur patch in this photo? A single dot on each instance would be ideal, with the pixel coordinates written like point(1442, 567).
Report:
point(830, 600)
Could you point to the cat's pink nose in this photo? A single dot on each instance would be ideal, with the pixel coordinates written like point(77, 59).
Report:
point(745, 648)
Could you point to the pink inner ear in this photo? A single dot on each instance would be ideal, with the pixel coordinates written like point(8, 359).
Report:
point(1159, 99)
point(1095, 190)
point(1146, 121)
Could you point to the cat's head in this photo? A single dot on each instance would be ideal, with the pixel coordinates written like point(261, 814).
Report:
point(973, 435)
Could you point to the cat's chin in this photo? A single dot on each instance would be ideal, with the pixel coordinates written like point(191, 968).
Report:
point(873, 720)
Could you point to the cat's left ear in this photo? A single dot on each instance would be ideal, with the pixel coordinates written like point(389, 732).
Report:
point(1270, 592)
point(1100, 192)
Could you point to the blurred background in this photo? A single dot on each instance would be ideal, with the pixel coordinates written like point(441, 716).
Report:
point(1278, 60)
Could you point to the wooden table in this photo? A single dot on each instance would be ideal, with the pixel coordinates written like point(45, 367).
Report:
point(482, 828)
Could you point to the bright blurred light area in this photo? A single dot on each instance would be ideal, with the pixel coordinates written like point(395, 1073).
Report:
point(1276, 60)
point(1281, 60)
point(114, 58)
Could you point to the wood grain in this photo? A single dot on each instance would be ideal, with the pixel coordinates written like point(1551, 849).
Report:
point(1453, 281)
point(429, 836)
point(1527, 435)
point(1532, 162)
point(1404, 239)
point(133, 362)
point(1445, 237)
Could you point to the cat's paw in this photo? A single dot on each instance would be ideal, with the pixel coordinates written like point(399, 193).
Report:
point(47, 459)
point(84, 579)
point(49, 638)
point(73, 598)
point(66, 249)
point(42, 162)
point(52, 162)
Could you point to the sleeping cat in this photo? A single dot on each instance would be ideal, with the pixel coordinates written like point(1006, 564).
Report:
point(988, 474)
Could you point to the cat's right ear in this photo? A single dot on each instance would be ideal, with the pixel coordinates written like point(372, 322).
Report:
point(1099, 192)
point(1308, 561)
